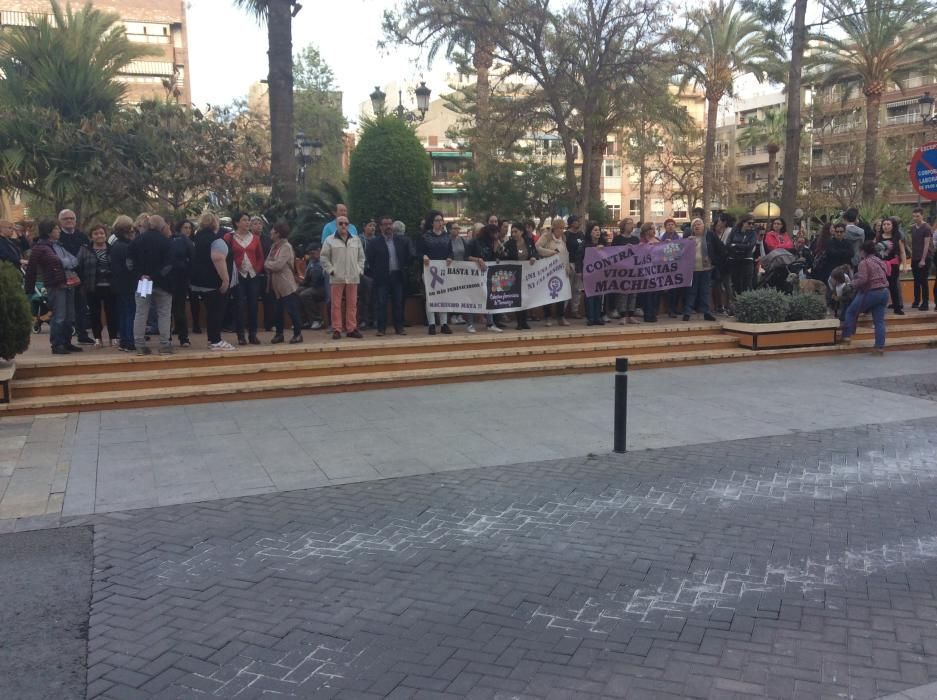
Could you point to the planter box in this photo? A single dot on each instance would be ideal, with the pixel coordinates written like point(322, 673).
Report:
point(792, 334)
point(7, 370)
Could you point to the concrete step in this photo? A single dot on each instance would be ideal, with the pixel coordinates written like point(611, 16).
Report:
point(104, 378)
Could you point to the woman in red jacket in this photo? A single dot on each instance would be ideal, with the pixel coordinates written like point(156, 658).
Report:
point(248, 264)
point(58, 270)
point(778, 237)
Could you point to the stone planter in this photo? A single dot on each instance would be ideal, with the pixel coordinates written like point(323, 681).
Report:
point(791, 334)
point(7, 370)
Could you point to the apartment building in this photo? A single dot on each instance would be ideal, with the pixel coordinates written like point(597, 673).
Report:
point(836, 137)
point(158, 23)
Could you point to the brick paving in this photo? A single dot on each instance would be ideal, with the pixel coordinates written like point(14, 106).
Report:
point(920, 386)
point(797, 566)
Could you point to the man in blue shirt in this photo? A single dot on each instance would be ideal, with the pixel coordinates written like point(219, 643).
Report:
point(329, 229)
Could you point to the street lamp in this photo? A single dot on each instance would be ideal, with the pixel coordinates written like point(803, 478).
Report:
point(379, 103)
point(305, 152)
point(927, 108)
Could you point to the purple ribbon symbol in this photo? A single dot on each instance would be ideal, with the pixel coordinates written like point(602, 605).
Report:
point(555, 285)
point(434, 271)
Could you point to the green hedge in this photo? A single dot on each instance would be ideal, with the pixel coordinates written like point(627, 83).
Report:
point(16, 319)
point(772, 306)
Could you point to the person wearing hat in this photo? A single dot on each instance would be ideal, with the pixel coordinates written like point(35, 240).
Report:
point(576, 247)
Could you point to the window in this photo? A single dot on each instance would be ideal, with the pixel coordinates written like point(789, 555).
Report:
point(613, 168)
point(722, 149)
point(679, 208)
point(657, 207)
point(614, 212)
point(610, 148)
point(634, 208)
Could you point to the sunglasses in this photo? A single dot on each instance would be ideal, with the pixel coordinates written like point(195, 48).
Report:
point(342, 223)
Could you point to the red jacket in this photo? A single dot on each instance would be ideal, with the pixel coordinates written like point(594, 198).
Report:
point(42, 259)
point(254, 252)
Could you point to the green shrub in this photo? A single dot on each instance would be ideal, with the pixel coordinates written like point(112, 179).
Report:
point(806, 307)
point(390, 173)
point(16, 320)
point(762, 306)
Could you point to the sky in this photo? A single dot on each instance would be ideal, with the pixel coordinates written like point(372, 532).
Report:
point(227, 51)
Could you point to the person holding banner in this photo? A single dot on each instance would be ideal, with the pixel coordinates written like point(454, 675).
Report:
point(436, 246)
point(593, 304)
point(550, 244)
point(709, 252)
point(484, 249)
point(650, 301)
point(520, 246)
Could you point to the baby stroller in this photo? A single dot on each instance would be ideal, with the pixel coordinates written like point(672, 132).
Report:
point(781, 271)
point(39, 302)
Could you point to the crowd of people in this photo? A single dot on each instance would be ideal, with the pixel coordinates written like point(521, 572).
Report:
point(224, 271)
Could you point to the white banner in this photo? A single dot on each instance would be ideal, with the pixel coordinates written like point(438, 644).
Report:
point(500, 288)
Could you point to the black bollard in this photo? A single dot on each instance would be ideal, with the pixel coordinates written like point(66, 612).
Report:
point(621, 404)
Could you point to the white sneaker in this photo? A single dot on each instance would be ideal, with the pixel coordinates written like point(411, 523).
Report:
point(548, 323)
point(470, 328)
point(605, 318)
point(97, 343)
point(316, 325)
point(221, 345)
point(495, 329)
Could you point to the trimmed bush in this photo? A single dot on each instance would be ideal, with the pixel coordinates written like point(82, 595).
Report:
point(390, 173)
point(762, 306)
point(16, 321)
point(806, 307)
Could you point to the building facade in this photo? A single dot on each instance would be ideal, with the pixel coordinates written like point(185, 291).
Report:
point(157, 23)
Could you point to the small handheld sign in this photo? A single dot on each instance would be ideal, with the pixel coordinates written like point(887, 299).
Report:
point(923, 171)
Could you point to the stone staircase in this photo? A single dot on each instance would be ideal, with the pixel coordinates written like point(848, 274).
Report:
point(107, 379)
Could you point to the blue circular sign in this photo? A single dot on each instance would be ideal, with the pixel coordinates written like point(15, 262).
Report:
point(923, 170)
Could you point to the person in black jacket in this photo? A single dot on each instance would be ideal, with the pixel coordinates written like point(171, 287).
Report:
point(123, 282)
point(576, 245)
point(520, 246)
point(740, 254)
point(388, 256)
point(181, 251)
point(436, 246)
point(73, 240)
point(9, 248)
point(151, 255)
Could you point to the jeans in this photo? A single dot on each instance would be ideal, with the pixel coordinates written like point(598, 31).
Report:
point(894, 287)
point(676, 299)
point(162, 300)
point(741, 272)
point(246, 292)
point(126, 312)
point(180, 321)
point(215, 303)
point(80, 314)
point(627, 304)
point(310, 299)
point(269, 301)
point(921, 292)
point(366, 300)
point(594, 309)
point(875, 301)
point(348, 292)
point(575, 285)
point(392, 290)
point(699, 293)
point(62, 301)
point(650, 303)
point(289, 304)
point(102, 299)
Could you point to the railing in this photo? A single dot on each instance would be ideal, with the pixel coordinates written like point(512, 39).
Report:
point(909, 118)
point(149, 38)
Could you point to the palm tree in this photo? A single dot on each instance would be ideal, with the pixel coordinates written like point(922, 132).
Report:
point(453, 27)
point(277, 15)
point(868, 42)
point(769, 132)
point(69, 63)
point(721, 43)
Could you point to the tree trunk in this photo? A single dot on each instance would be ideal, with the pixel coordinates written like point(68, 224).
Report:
point(642, 190)
point(772, 169)
point(873, 102)
point(794, 126)
point(585, 180)
point(481, 61)
point(709, 155)
point(595, 175)
point(280, 84)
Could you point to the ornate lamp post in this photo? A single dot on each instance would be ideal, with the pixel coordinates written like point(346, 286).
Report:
point(379, 104)
point(305, 152)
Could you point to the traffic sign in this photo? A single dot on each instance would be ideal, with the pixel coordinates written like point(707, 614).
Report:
point(923, 171)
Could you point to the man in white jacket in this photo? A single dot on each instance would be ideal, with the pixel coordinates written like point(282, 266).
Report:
point(342, 260)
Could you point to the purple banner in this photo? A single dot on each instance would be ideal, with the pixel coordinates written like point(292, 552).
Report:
point(631, 269)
